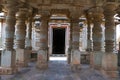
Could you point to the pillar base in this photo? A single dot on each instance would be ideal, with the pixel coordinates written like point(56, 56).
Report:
point(42, 61)
point(7, 71)
point(8, 62)
point(28, 52)
point(75, 60)
point(96, 60)
point(68, 58)
point(109, 65)
point(75, 67)
point(22, 58)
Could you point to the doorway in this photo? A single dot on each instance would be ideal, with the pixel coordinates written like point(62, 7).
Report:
point(58, 41)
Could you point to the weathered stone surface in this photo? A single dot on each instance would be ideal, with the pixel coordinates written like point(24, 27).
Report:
point(58, 70)
point(75, 60)
point(109, 64)
point(22, 57)
point(96, 59)
point(42, 61)
point(8, 62)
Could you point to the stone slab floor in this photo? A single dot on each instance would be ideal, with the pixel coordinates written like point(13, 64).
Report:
point(58, 70)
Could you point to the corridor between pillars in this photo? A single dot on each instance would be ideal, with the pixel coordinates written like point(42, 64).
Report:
point(42, 55)
point(75, 52)
point(8, 54)
point(20, 32)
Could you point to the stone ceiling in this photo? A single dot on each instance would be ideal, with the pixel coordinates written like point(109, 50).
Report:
point(68, 7)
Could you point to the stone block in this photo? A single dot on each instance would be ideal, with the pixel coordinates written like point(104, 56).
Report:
point(8, 62)
point(109, 65)
point(96, 60)
point(22, 57)
point(75, 60)
point(42, 61)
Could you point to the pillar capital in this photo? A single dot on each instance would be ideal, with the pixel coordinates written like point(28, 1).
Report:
point(97, 14)
point(75, 20)
point(110, 6)
point(22, 13)
point(109, 9)
point(10, 5)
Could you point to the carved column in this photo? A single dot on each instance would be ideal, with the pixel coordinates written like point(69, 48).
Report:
point(42, 57)
point(20, 32)
point(29, 33)
point(75, 52)
point(70, 46)
point(109, 61)
point(97, 38)
point(8, 54)
point(28, 45)
point(89, 41)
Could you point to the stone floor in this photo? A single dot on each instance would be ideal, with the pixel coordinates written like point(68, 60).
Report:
point(58, 70)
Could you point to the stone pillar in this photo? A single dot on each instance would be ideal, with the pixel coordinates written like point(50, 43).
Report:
point(28, 44)
point(8, 54)
point(20, 32)
point(89, 41)
point(97, 38)
point(75, 52)
point(70, 47)
point(42, 55)
point(109, 61)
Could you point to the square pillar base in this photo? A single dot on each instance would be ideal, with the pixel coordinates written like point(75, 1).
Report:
point(7, 71)
point(8, 62)
point(75, 60)
point(22, 57)
point(109, 65)
point(96, 60)
point(42, 61)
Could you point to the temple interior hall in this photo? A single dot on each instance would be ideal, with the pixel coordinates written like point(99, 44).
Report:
point(59, 39)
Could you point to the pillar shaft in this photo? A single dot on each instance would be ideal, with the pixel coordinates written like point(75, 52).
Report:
point(75, 34)
point(89, 41)
point(109, 29)
point(97, 29)
point(21, 29)
point(10, 25)
point(28, 34)
point(70, 47)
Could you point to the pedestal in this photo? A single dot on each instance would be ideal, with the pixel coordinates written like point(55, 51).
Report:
point(75, 60)
point(96, 59)
point(42, 61)
point(8, 62)
point(109, 65)
point(22, 57)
